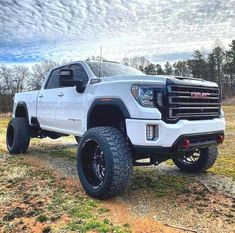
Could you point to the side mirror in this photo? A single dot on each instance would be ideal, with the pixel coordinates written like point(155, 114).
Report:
point(66, 80)
point(80, 88)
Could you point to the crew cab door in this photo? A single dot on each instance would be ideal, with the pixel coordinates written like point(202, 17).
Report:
point(70, 108)
point(47, 100)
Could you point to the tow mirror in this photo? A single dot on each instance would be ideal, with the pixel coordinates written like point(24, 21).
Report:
point(80, 86)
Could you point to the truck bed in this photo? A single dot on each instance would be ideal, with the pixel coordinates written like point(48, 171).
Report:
point(27, 97)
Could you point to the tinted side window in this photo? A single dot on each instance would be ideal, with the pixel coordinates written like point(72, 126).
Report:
point(79, 73)
point(53, 80)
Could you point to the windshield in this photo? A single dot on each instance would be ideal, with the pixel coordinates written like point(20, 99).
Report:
point(112, 69)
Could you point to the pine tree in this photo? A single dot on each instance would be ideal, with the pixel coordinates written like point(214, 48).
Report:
point(150, 69)
point(159, 69)
point(181, 69)
point(219, 57)
point(229, 66)
point(211, 68)
point(168, 69)
point(198, 65)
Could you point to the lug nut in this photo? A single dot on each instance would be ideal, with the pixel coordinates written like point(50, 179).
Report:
point(185, 143)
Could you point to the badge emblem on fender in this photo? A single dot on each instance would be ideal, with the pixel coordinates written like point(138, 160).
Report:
point(95, 80)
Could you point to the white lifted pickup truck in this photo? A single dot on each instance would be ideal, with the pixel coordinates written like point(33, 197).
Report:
point(119, 116)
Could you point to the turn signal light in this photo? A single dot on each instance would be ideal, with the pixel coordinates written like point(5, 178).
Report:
point(185, 143)
point(220, 138)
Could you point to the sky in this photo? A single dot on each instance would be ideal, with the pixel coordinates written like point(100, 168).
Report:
point(34, 30)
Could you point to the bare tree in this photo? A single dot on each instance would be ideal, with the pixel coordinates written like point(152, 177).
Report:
point(39, 74)
point(6, 80)
point(20, 76)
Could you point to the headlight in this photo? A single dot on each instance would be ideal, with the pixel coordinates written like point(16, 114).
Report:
point(145, 95)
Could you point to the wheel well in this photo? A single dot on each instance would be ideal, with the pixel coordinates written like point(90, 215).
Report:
point(105, 115)
point(21, 111)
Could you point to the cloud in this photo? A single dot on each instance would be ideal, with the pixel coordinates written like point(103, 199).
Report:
point(33, 30)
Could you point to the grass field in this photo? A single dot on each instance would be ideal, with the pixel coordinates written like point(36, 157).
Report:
point(225, 165)
point(34, 198)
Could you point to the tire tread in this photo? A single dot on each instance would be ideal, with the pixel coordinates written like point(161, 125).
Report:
point(21, 135)
point(121, 157)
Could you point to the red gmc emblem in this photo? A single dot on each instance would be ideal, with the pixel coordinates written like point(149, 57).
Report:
point(199, 95)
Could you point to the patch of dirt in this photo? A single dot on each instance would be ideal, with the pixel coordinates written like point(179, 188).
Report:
point(198, 209)
point(118, 212)
point(122, 213)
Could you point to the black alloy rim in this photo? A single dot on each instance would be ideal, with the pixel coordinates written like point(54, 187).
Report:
point(93, 164)
point(191, 158)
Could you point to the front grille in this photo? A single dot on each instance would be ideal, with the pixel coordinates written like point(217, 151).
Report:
point(192, 102)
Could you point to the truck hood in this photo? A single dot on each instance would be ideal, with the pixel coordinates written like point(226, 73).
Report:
point(160, 79)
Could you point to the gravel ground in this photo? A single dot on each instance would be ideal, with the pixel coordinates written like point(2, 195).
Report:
point(67, 167)
point(63, 165)
point(213, 213)
point(221, 183)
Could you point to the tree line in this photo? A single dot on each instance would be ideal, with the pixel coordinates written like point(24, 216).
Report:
point(217, 66)
point(19, 78)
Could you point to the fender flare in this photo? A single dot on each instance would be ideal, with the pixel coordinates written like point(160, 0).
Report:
point(108, 101)
point(23, 105)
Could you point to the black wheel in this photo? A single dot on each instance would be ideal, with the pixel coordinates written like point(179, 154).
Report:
point(197, 161)
point(104, 162)
point(18, 135)
point(77, 139)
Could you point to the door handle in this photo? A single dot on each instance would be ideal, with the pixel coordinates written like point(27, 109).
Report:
point(40, 95)
point(60, 94)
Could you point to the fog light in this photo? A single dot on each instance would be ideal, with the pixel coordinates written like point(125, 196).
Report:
point(220, 138)
point(152, 132)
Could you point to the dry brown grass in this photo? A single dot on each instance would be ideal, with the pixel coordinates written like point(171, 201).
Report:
point(225, 164)
point(34, 199)
point(5, 115)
